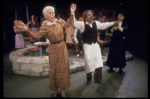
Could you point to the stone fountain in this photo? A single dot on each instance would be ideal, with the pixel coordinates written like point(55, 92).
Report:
point(29, 63)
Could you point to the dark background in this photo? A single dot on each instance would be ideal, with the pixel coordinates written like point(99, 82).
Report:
point(136, 17)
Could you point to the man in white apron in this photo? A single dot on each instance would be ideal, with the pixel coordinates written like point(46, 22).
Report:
point(92, 52)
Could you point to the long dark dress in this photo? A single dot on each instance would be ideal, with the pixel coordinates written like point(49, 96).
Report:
point(116, 56)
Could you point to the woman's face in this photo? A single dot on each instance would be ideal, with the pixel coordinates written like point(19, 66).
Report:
point(32, 17)
point(50, 16)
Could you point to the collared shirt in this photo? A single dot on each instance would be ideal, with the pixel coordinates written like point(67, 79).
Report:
point(60, 20)
point(46, 22)
point(100, 26)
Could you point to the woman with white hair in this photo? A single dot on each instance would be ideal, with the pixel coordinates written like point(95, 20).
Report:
point(59, 71)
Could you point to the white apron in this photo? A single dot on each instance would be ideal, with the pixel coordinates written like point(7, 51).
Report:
point(93, 57)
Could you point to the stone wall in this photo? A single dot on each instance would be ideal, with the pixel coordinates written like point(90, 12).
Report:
point(38, 66)
point(29, 65)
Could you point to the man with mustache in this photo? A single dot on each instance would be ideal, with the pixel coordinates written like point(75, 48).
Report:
point(92, 53)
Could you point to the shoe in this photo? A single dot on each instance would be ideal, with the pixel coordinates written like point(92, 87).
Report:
point(100, 82)
point(77, 55)
point(60, 96)
point(54, 95)
point(110, 70)
point(120, 71)
point(81, 53)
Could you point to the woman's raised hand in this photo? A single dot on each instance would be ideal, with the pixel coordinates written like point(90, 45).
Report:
point(21, 25)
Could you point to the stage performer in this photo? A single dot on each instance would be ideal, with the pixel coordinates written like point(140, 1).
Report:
point(59, 71)
point(78, 42)
point(92, 53)
point(116, 55)
point(19, 40)
point(33, 24)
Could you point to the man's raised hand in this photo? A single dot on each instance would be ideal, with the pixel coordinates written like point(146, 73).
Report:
point(73, 8)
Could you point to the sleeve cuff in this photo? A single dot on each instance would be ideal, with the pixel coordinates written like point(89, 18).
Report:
point(121, 30)
point(112, 31)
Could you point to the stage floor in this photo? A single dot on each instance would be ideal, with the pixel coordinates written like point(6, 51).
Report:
point(77, 64)
point(132, 83)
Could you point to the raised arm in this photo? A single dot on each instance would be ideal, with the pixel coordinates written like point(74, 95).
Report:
point(103, 26)
point(42, 32)
point(28, 23)
point(15, 29)
point(77, 24)
point(69, 23)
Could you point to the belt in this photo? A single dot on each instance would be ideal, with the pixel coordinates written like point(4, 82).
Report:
point(57, 42)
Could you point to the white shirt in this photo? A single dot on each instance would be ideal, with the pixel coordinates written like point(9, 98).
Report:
point(48, 23)
point(120, 23)
point(60, 20)
point(100, 26)
point(75, 35)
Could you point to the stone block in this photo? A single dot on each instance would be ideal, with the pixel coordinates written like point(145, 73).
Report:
point(37, 74)
point(13, 57)
point(25, 67)
point(46, 59)
point(46, 68)
point(36, 68)
point(73, 70)
point(40, 60)
point(24, 59)
point(80, 68)
point(45, 74)
point(16, 65)
point(31, 74)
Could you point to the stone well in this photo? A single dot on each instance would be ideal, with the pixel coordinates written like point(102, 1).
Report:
point(38, 66)
point(29, 65)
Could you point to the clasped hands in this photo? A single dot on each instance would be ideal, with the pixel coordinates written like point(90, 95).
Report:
point(114, 27)
point(117, 28)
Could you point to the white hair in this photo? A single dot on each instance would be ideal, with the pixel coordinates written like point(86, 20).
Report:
point(46, 8)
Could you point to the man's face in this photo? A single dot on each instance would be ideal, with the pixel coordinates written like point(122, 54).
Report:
point(89, 17)
point(120, 17)
point(50, 16)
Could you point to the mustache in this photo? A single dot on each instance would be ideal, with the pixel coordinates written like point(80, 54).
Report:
point(92, 17)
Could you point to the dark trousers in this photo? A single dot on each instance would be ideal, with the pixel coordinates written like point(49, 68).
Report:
point(97, 75)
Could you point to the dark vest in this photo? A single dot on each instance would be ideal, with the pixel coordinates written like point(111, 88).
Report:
point(89, 34)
